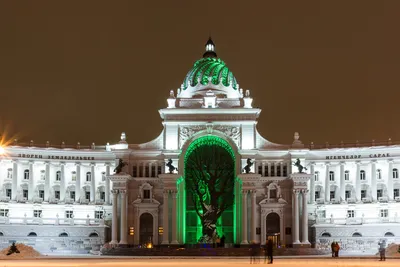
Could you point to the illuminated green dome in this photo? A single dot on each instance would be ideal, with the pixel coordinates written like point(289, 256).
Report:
point(208, 70)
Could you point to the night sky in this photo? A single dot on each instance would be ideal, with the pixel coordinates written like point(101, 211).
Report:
point(87, 70)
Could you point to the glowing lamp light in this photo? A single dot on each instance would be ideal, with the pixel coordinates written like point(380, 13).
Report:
point(149, 245)
point(2, 150)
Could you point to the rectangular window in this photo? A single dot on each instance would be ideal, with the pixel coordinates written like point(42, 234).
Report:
point(141, 171)
point(260, 169)
point(396, 193)
point(395, 174)
point(147, 170)
point(350, 214)
point(363, 193)
point(37, 213)
point(331, 176)
point(3, 212)
point(316, 176)
point(384, 213)
point(87, 195)
point(347, 194)
point(159, 170)
point(346, 175)
point(69, 214)
point(317, 194)
point(98, 214)
point(362, 175)
point(146, 194)
point(58, 176)
point(272, 193)
point(321, 213)
point(73, 176)
point(41, 194)
point(332, 195)
point(72, 195)
point(134, 171)
point(57, 194)
point(379, 193)
point(284, 170)
point(8, 193)
point(25, 193)
point(103, 195)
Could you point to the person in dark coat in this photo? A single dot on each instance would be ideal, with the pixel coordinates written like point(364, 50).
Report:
point(269, 251)
point(223, 241)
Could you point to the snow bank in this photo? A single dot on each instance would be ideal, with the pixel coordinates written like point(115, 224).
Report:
point(24, 252)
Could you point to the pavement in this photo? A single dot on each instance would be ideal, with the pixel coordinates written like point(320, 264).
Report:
point(149, 262)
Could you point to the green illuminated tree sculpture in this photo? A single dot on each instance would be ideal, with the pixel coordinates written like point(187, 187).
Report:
point(210, 177)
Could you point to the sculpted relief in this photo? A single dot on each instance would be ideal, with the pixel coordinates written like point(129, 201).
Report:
point(186, 132)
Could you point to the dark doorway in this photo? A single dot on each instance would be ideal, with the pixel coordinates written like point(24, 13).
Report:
point(146, 229)
point(273, 228)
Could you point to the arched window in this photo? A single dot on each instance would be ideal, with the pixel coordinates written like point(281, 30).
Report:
point(88, 176)
point(32, 234)
point(26, 175)
point(9, 173)
point(63, 234)
point(347, 175)
point(42, 175)
point(58, 176)
point(378, 174)
point(316, 176)
point(73, 176)
point(331, 176)
point(357, 235)
point(94, 234)
point(395, 174)
point(1, 234)
point(326, 235)
point(362, 175)
point(389, 234)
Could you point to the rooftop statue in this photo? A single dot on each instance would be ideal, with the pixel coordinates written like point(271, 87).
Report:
point(121, 164)
point(299, 166)
point(248, 166)
point(171, 168)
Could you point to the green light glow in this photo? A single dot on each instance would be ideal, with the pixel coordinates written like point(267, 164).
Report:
point(213, 68)
point(191, 230)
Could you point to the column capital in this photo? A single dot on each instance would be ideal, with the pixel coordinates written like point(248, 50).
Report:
point(47, 163)
point(358, 163)
point(166, 192)
point(244, 192)
point(342, 163)
point(92, 164)
point(14, 160)
point(312, 163)
point(253, 193)
point(114, 191)
point(62, 163)
point(390, 161)
point(263, 163)
point(373, 161)
point(174, 194)
point(327, 163)
point(296, 192)
point(31, 162)
point(78, 164)
point(305, 191)
point(122, 191)
point(107, 164)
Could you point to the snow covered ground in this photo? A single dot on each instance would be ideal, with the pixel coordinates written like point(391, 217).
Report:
point(103, 262)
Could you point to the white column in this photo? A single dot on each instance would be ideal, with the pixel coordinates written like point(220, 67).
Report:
point(305, 219)
point(327, 187)
point(358, 182)
point(295, 223)
point(156, 169)
point(47, 183)
point(31, 187)
point(114, 223)
point(312, 183)
point(373, 181)
point(124, 222)
point(150, 172)
point(342, 183)
point(174, 232)
point(62, 183)
point(269, 169)
point(244, 218)
point(93, 182)
point(281, 166)
point(78, 183)
point(107, 185)
point(14, 180)
point(253, 215)
point(165, 219)
point(390, 180)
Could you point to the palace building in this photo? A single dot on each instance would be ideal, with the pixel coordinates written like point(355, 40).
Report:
point(70, 200)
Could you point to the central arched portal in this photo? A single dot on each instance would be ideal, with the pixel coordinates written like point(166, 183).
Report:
point(273, 228)
point(209, 174)
point(146, 229)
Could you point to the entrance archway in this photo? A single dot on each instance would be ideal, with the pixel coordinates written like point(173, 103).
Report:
point(146, 229)
point(273, 228)
point(209, 173)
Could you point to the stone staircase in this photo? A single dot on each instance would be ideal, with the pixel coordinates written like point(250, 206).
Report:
point(205, 252)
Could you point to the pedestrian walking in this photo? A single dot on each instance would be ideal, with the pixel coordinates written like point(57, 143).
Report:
point(269, 249)
point(382, 250)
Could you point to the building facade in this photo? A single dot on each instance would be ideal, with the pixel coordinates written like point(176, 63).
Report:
point(70, 199)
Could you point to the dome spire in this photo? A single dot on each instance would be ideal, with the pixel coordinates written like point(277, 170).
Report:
point(210, 49)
